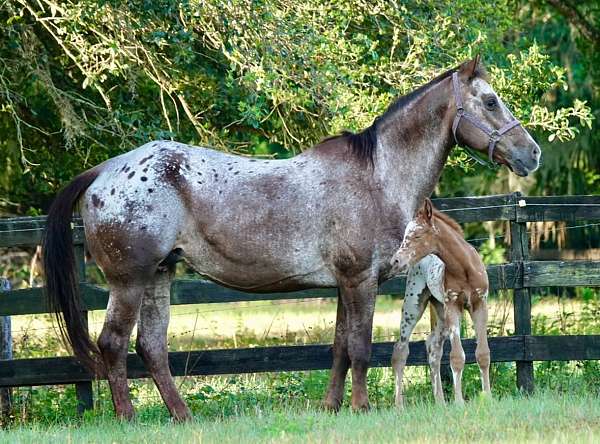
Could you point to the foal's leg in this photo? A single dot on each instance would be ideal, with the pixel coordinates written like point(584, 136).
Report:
point(359, 302)
point(151, 343)
point(435, 349)
point(412, 310)
point(121, 315)
point(341, 361)
point(479, 315)
point(457, 354)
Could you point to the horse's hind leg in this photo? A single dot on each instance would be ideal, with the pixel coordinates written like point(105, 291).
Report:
point(121, 315)
point(412, 310)
point(435, 349)
point(151, 343)
point(479, 315)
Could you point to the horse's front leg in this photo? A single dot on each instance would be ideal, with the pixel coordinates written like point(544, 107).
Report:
point(359, 303)
point(341, 361)
point(457, 354)
point(479, 315)
point(412, 310)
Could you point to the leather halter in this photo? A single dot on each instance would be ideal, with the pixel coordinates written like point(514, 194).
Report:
point(493, 134)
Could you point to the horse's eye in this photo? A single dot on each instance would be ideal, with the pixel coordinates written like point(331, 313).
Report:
point(491, 103)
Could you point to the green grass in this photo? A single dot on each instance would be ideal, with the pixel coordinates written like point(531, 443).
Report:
point(286, 406)
point(544, 417)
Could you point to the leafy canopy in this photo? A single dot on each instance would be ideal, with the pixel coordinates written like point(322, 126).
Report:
point(82, 81)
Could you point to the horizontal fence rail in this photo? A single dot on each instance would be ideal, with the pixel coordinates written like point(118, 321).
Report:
point(531, 274)
point(521, 275)
point(66, 370)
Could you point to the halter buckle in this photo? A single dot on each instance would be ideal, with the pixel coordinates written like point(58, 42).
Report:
point(494, 136)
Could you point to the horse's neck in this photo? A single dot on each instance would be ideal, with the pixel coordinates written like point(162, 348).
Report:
point(413, 146)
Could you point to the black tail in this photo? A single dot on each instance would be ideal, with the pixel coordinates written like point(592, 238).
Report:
point(61, 274)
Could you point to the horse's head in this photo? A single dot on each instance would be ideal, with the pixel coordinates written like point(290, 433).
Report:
point(484, 123)
point(420, 239)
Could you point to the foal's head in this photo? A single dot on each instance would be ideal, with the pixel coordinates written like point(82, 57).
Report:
point(421, 238)
point(483, 123)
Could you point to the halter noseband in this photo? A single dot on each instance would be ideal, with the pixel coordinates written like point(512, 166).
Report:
point(493, 135)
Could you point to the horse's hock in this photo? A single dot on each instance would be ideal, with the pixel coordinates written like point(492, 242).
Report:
point(521, 275)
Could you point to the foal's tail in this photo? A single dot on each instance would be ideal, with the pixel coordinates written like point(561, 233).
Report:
point(62, 289)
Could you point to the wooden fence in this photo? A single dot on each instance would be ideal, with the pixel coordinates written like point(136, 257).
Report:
point(520, 275)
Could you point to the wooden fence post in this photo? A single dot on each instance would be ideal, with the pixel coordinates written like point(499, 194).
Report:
point(6, 353)
point(522, 296)
point(83, 390)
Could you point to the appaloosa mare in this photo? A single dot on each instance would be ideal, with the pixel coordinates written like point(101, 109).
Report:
point(447, 271)
point(332, 216)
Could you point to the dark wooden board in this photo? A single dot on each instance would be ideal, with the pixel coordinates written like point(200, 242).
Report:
point(194, 291)
point(561, 274)
point(562, 348)
point(65, 370)
point(27, 231)
point(559, 208)
point(478, 209)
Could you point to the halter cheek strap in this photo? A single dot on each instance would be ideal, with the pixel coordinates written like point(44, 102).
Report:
point(493, 134)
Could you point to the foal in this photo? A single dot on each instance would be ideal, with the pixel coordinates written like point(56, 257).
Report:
point(446, 270)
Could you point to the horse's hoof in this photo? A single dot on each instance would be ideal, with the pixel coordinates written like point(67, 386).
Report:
point(182, 417)
point(332, 406)
point(126, 415)
point(361, 407)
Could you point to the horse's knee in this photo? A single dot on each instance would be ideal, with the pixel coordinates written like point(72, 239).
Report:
point(141, 348)
point(483, 357)
point(112, 347)
point(400, 354)
point(360, 361)
point(457, 359)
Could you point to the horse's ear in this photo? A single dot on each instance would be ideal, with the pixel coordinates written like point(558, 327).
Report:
point(428, 207)
point(475, 66)
point(470, 68)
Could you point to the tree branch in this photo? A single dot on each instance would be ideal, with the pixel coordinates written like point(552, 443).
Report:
point(572, 14)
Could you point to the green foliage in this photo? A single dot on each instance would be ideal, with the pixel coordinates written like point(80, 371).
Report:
point(84, 81)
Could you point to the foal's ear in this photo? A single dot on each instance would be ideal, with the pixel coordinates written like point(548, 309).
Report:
point(428, 207)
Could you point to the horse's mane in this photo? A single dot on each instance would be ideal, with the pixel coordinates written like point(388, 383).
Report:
point(448, 221)
point(363, 143)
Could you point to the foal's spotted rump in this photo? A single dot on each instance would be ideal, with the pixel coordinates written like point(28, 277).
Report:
point(448, 272)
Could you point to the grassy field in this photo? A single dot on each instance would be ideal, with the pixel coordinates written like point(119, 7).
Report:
point(545, 417)
point(285, 407)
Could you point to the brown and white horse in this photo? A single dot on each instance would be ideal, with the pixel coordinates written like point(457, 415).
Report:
point(447, 271)
point(332, 216)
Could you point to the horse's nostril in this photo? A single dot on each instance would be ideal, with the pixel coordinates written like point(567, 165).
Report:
point(536, 150)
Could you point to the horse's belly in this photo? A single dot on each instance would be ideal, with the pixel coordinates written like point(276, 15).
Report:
point(250, 267)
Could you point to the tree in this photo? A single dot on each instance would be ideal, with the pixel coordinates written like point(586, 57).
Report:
point(83, 81)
